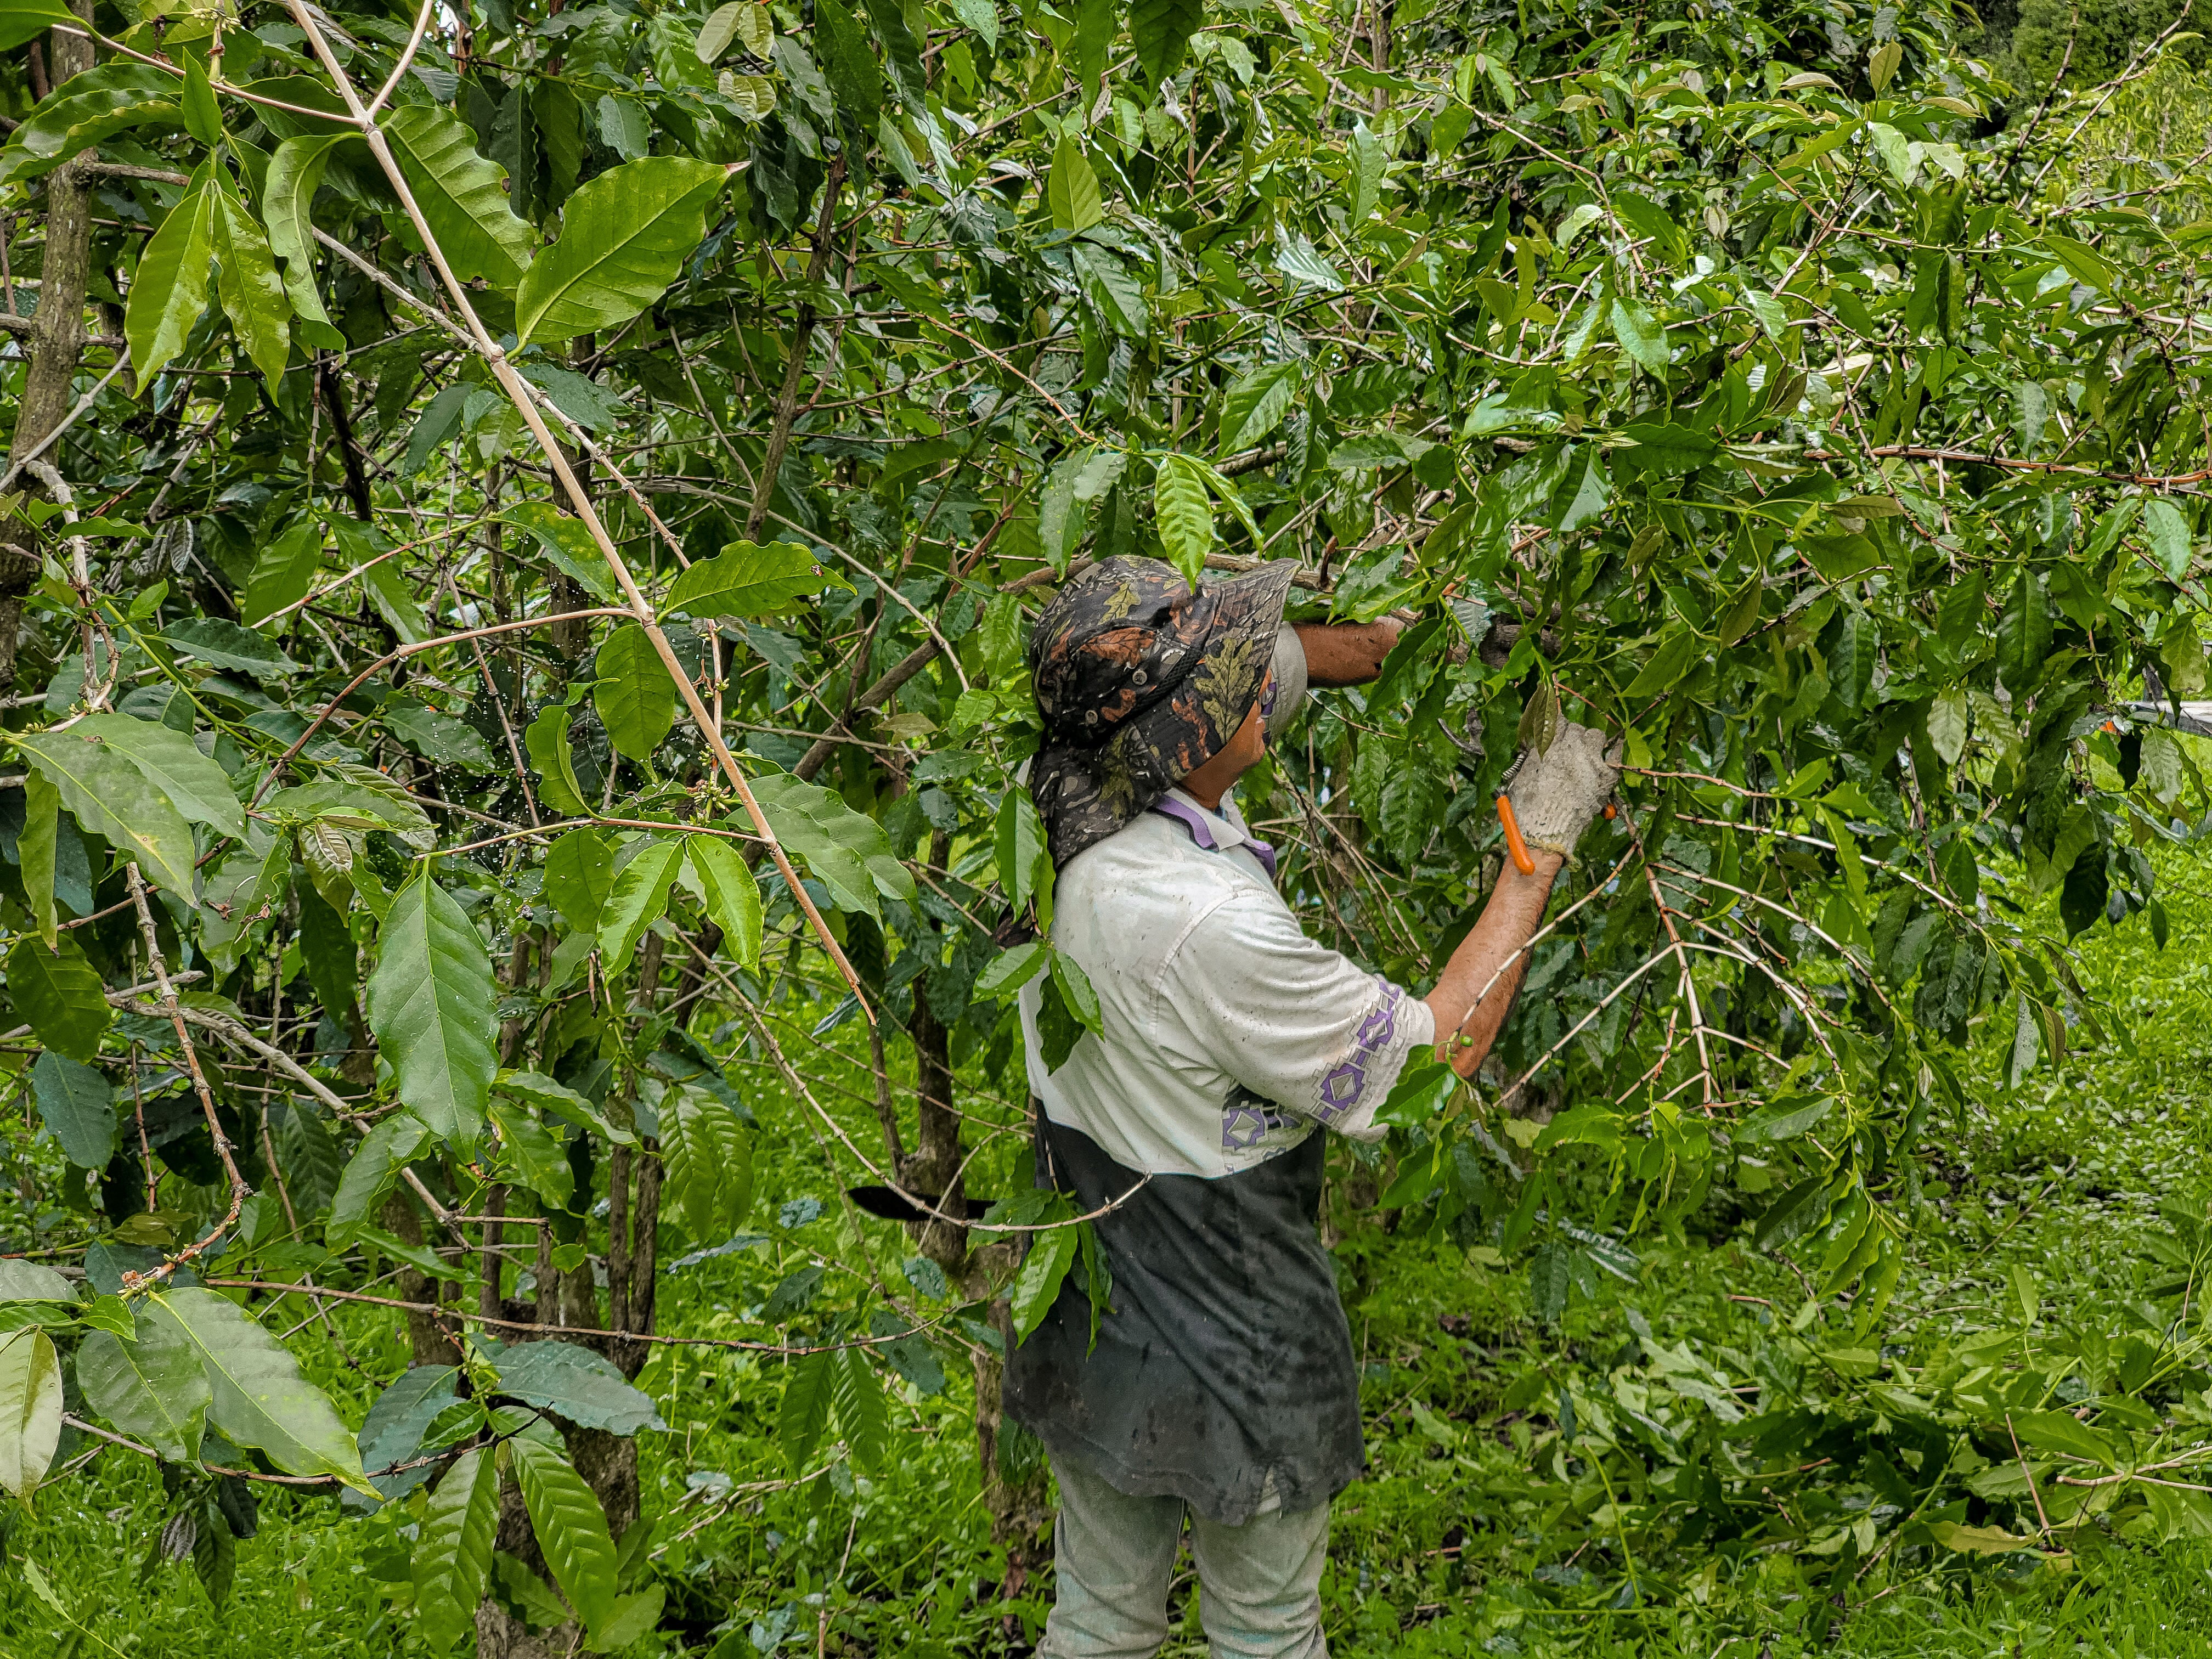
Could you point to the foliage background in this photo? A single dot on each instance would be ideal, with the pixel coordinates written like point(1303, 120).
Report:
point(412, 504)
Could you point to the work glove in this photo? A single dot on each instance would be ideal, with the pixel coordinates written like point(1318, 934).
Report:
point(1556, 794)
point(1281, 703)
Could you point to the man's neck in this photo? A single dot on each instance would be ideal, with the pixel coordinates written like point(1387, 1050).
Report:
point(1210, 782)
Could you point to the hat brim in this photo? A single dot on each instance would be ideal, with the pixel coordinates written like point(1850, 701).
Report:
point(1084, 794)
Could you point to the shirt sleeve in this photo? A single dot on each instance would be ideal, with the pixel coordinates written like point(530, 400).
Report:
point(1290, 1020)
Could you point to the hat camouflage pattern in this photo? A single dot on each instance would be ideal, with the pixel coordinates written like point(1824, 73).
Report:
point(1141, 681)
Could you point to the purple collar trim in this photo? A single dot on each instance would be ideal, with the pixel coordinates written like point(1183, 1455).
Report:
point(1202, 832)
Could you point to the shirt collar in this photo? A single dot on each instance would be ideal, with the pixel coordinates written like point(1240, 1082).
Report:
point(1215, 832)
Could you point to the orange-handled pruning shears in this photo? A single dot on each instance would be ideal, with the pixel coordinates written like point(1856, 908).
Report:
point(1514, 844)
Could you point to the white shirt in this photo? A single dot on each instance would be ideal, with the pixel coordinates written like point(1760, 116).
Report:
point(1230, 1035)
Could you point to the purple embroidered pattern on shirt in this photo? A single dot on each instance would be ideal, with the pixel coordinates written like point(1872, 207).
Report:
point(1247, 1120)
point(1341, 1089)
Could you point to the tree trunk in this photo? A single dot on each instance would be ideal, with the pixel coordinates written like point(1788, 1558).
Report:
point(57, 342)
point(1018, 1504)
point(430, 1344)
point(1018, 1508)
point(500, 1635)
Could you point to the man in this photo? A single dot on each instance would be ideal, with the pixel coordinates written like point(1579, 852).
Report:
point(1222, 1383)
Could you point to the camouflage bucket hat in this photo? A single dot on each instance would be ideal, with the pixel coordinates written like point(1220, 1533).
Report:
point(1140, 681)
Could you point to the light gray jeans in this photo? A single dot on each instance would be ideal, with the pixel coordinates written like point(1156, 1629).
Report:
point(1259, 1585)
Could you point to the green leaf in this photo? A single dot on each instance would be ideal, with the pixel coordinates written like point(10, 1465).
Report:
point(1071, 191)
point(563, 540)
point(1255, 405)
point(169, 290)
point(203, 119)
point(624, 237)
point(547, 744)
point(173, 764)
point(721, 29)
point(37, 847)
point(2062, 1433)
point(847, 851)
point(309, 1157)
point(535, 1159)
point(78, 1105)
point(901, 57)
point(748, 580)
point(636, 1615)
point(849, 64)
point(1161, 30)
point(223, 644)
point(638, 898)
point(1081, 476)
point(283, 573)
point(463, 195)
point(862, 1415)
point(109, 98)
point(387, 590)
point(1370, 161)
point(287, 196)
point(454, 1547)
point(571, 1529)
point(436, 426)
point(1112, 289)
point(2083, 263)
point(583, 1387)
point(354, 798)
point(30, 1410)
point(558, 1098)
point(1665, 450)
point(1642, 336)
point(1076, 991)
point(153, 1388)
point(1795, 1212)
point(253, 296)
point(27, 1281)
point(60, 994)
point(1977, 1541)
point(635, 696)
point(2024, 633)
point(1678, 647)
point(260, 1398)
point(1424, 1086)
point(733, 895)
point(370, 1174)
point(438, 738)
point(1021, 848)
point(2167, 532)
point(709, 1159)
point(579, 873)
point(111, 797)
point(1091, 44)
point(531, 1593)
point(1011, 969)
point(24, 20)
point(431, 1003)
point(1185, 516)
point(1036, 1286)
point(809, 1382)
point(1946, 724)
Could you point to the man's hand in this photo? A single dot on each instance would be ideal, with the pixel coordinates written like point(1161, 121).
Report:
point(1556, 795)
point(1347, 653)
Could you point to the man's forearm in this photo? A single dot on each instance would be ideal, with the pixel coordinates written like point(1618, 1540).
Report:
point(1476, 989)
point(1345, 653)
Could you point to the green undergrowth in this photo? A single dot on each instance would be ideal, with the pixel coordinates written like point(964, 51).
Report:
point(1513, 1505)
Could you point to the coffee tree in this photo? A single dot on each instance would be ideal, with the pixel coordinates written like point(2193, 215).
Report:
point(522, 521)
